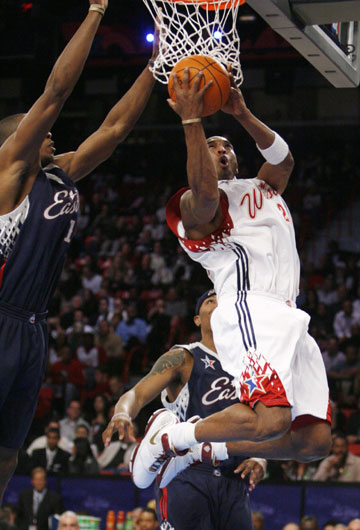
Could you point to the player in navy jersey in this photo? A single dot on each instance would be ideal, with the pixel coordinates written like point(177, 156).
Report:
point(193, 382)
point(38, 212)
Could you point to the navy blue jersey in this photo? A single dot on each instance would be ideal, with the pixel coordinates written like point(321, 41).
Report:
point(34, 239)
point(208, 390)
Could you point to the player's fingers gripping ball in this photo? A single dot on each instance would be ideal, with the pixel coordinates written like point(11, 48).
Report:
point(217, 94)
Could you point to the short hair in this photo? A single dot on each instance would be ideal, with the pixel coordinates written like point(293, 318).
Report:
point(53, 430)
point(37, 470)
point(68, 513)
point(8, 126)
point(150, 510)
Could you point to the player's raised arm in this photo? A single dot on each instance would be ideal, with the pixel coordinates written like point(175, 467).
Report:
point(200, 205)
point(279, 163)
point(115, 128)
point(24, 145)
point(171, 368)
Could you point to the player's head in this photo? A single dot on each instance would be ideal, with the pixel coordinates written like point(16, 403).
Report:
point(205, 305)
point(224, 157)
point(9, 125)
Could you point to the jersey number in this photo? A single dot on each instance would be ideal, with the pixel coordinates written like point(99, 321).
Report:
point(68, 236)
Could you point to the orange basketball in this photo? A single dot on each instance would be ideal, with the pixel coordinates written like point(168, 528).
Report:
point(217, 95)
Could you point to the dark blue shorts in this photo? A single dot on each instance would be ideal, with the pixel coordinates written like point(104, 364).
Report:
point(23, 354)
point(204, 500)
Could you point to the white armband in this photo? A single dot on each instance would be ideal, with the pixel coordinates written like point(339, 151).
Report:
point(277, 152)
point(261, 461)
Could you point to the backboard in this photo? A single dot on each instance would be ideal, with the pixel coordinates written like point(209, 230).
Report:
point(325, 32)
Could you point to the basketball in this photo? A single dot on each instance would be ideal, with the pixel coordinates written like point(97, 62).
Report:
point(217, 95)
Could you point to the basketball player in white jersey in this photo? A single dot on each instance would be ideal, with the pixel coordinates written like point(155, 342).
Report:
point(242, 233)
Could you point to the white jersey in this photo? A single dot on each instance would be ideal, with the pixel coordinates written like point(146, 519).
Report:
point(254, 249)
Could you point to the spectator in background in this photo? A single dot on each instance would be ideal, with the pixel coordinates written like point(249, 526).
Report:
point(258, 520)
point(51, 457)
point(159, 324)
point(327, 293)
point(174, 306)
point(116, 388)
point(83, 431)
point(330, 525)
point(107, 339)
point(354, 524)
point(83, 462)
point(291, 526)
point(68, 377)
point(346, 321)
point(148, 519)
point(332, 355)
point(341, 465)
point(132, 331)
point(104, 312)
point(309, 522)
point(91, 356)
point(35, 505)
point(8, 514)
point(353, 426)
point(41, 441)
point(68, 521)
point(91, 280)
point(345, 375)
point(72, 420)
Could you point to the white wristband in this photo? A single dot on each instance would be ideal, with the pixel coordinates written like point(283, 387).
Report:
point(277, 152)
point(121, 416)
point(262, 462)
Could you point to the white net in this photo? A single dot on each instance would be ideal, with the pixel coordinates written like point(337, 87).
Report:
point(196, 27)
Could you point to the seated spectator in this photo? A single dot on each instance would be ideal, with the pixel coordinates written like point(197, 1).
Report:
point(116, 456)
point(346, 322)
point(107, 339)
point(67, 376)
point(345, 374)
point(116, 388)
point(132, 331)
point(291, 526)
point(91, 356)
point(326, 292)
point(341, 465)
point(83, 431)
point(332, 355)
point(36, 504)
point(8, 514)
point(174, 305)
point(68, 521)
point(354, 524)
point(83, 462)
point(91, 280)
point(72, 420)
point(40, 442)
point(51, 457)
point(353, 426)
point(330, 525)
point(148, 519)
point(309, 522)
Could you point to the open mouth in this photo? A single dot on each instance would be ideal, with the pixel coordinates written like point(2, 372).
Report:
point(223, 161)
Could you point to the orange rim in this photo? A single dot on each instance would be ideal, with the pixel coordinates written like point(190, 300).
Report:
point(212, 4)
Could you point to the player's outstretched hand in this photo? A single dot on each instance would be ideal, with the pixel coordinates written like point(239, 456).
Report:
point(103, 3)
point(235, 105)
point(189, 99)
point(122, 423)
point(252, 469)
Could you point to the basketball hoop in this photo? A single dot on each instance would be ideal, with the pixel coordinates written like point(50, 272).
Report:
point(196, 27)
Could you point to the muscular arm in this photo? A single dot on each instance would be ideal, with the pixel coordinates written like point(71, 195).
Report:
point(115, 128)
point(21, 150)
point(276, 175)
point(173, 368)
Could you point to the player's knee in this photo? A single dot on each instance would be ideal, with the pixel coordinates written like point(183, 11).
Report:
point(315, 444)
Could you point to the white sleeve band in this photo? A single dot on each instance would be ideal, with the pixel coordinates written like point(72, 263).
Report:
point(262, 462)
point(277, 152)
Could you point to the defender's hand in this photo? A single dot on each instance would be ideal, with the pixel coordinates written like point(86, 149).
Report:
point(124, 427)
point(253, 470)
